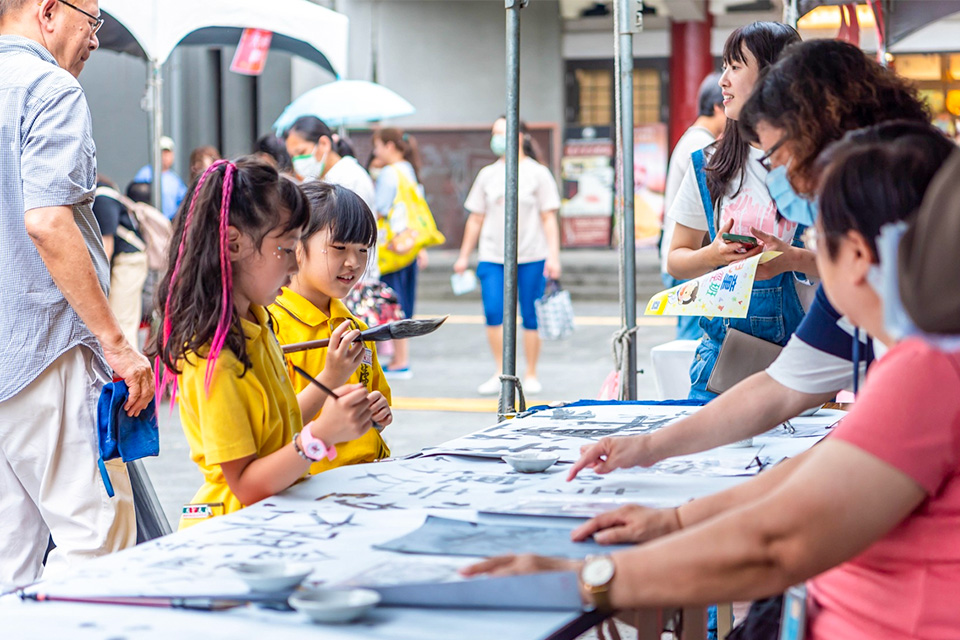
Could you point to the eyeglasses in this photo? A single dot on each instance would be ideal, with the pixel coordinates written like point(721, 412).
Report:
point(809, 238)
point(765, 160)
point(97, 21)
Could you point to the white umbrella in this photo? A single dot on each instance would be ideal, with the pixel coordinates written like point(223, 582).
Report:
point(343, 102)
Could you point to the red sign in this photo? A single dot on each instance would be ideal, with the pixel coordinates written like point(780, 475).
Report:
point(591, 231)
point(251, 55)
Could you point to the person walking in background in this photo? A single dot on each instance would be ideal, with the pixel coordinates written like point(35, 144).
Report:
point(172, 186)
point(708, 126)
point(126, 251)
point(58, 338)
point(399, 158)
point(538, 246)
point(200, 159)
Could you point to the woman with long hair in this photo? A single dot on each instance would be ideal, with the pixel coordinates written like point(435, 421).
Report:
point(399, 157)
point(726, 194)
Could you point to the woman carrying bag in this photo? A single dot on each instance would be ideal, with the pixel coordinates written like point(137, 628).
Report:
point(538, 246)
point(405, 228)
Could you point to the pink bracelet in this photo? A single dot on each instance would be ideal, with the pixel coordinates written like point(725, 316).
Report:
point(315, 448)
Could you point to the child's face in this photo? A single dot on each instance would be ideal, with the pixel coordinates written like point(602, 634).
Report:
point(331, 268)
point(262, 272)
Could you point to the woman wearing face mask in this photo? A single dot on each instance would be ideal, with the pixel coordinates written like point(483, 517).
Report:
point(320, 154)
point(538, 246)
point(725, 194)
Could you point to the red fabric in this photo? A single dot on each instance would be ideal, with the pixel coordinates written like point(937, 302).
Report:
point(906, 585)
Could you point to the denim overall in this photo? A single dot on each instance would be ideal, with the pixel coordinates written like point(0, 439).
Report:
point(775, 310)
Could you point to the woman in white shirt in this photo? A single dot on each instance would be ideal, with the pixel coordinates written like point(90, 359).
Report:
point(726, 193)
point(538, 246)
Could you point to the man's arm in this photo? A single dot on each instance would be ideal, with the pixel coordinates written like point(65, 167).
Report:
point(61, 246)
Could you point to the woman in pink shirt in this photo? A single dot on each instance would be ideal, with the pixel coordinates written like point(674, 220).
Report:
point(870, 517)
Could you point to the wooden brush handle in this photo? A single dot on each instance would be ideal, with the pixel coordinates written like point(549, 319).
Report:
point(294, 347)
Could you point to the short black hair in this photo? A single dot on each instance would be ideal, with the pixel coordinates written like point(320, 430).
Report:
point(877, 175)
point(139, 191)
point(342, 211)
point(710, 95)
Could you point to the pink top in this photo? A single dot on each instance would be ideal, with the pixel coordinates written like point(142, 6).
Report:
point(907, 584)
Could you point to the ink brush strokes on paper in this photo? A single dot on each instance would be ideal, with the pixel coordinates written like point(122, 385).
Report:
point(447, 537)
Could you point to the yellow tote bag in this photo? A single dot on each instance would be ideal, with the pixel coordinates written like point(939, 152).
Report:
point(408, 228)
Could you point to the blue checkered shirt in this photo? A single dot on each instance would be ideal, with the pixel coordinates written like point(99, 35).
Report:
point(47, 159)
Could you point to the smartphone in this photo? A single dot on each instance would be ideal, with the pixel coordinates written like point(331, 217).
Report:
point(748, 241)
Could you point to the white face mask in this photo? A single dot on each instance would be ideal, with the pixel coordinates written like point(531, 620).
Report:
point(308, 167)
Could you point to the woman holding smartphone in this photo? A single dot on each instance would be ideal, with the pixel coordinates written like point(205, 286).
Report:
point(725, 214)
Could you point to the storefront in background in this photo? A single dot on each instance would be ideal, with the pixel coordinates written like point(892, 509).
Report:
point(937, 75)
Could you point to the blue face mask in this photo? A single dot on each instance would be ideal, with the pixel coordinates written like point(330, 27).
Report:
point(498, 144)
point(792, 206)
point(885, 280)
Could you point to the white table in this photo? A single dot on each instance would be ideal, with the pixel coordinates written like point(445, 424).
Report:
point(332, 521)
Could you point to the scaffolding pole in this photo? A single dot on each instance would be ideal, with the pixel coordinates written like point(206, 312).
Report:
point(628, 15)
point(509, 381)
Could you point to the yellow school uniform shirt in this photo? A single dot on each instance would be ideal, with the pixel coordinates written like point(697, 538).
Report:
point(254, 413)
point(298, 320)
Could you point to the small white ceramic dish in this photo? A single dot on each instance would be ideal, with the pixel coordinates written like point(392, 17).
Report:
point(531, 462)
point(334, 606)
point(270, 576)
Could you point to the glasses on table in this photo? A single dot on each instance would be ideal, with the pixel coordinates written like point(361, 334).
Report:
point(95, 21)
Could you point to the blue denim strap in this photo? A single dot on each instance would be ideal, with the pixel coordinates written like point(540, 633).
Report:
point(699, 169)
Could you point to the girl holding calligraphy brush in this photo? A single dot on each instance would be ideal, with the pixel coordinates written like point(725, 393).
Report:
point(334, 251)
point(234, 247)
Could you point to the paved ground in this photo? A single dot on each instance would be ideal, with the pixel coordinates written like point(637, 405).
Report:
point(441, 402)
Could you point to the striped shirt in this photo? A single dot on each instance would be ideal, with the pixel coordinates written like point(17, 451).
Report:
point(47, 159)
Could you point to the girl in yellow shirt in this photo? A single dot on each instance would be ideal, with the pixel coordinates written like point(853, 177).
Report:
point(333, 253)
point(234, 246)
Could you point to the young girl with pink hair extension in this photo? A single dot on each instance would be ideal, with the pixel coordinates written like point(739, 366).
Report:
point(233, 249)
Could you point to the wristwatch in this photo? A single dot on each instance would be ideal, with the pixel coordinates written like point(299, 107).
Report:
point(596, 576)
point(315, 448)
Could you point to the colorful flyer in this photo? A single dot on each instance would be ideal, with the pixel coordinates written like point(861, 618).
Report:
point(724, 293)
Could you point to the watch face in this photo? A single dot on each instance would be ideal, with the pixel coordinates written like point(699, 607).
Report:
point(314, 449)
point(597, 571)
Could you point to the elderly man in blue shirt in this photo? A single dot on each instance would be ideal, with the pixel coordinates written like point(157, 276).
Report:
point(59, 341)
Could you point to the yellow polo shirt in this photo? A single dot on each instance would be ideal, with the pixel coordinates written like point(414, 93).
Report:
point(298, 320)
point(254, 413)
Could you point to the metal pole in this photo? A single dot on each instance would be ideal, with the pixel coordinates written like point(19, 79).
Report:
point(509, 355)
point(628, 22)
point(155, 82)
point(791, 13)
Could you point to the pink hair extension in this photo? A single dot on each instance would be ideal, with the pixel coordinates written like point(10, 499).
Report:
point(168, 377)
point(226, 277)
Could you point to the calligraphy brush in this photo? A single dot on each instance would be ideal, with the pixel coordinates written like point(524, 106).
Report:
point(329, 391)
point(397, 330)
point(200, 603)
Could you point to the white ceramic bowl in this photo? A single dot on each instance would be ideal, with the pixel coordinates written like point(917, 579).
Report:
point(334, 605)
point(270, 576)
point(531, 462)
